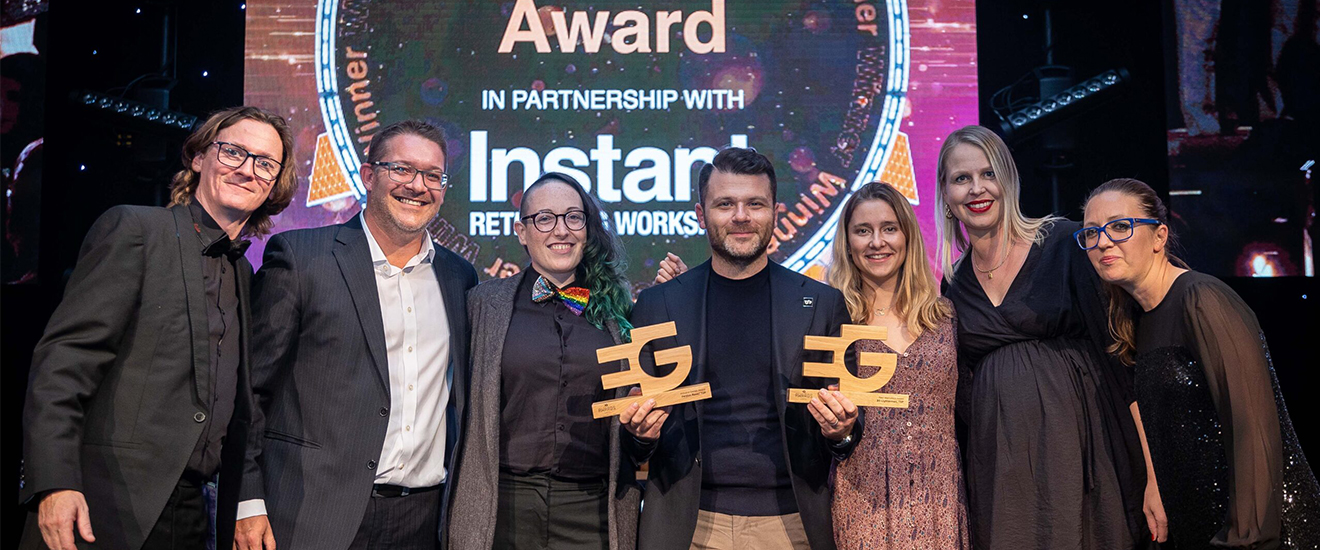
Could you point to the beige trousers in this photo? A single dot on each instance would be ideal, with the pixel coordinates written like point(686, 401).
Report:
point(717, 531)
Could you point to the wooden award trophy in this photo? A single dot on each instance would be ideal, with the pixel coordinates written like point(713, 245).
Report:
point(862, 391)
point(664, 389)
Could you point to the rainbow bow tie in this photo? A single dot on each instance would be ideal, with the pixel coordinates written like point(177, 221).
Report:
point(575, 297)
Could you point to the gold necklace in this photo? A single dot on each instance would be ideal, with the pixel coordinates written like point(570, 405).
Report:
point(990, 273)
point(880, 311)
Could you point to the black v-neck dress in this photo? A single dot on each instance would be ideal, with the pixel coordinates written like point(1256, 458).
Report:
point(1053, 460)
point(1230, 470)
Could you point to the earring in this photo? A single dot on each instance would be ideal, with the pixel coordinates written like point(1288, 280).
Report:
point(948, 213)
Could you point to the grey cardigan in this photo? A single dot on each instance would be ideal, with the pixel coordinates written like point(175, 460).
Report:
point(473, 506)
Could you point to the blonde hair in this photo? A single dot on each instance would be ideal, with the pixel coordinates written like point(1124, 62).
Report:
point(917, 298)
point(1013, 226)
point(186, 180)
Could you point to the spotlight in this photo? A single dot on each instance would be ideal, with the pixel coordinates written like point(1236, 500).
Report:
point(1051, 110)
point(134, 110)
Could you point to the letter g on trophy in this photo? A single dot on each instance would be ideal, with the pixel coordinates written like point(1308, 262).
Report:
point(862, 391)
point(664, 389)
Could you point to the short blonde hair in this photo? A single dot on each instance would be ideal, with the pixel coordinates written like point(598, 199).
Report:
point(1014, 226)
point(185, 183)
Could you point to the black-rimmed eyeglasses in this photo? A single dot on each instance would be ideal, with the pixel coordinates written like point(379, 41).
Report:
point(404, 174)
point(233, 156)
point(1118, 230)
point(545, 222)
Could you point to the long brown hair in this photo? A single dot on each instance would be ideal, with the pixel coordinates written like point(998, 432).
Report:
point(917, 298)
point(1121, 326)
point(186, 180)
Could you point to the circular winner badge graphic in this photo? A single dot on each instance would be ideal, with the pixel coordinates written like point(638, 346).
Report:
point(630, 100)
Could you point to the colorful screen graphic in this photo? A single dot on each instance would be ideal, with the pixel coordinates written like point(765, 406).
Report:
point(630, 99)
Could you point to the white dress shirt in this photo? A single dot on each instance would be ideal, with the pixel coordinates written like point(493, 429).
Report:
point(417, 348)
point(412, 309)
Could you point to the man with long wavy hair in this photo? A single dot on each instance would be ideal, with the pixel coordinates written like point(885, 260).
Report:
point(139, 392)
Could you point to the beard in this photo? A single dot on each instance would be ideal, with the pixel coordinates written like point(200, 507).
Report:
point(739, 253)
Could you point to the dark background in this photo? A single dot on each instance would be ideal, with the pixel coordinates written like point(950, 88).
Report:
point(1125, 137)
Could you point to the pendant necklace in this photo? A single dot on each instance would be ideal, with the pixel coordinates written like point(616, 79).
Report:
point(990, 273)
point(880, 311)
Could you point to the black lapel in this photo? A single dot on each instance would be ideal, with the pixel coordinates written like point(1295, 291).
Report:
point(194, 287)
point(686, 304)
point(790, 320)
point(245, 329)
point(449, 275)
point(354, 257)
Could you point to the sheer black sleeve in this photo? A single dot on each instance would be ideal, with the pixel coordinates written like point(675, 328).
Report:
point(1224, 335)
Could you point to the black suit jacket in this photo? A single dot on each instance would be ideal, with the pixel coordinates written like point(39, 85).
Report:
point(119, 390)
point(799, 306)
point(321, 379)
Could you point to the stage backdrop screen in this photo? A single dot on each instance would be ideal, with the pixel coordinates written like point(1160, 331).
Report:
point(1244, 135)
point(629, 98)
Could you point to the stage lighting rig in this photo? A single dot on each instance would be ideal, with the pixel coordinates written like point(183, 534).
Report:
point(149, 116)
point(1048, 111)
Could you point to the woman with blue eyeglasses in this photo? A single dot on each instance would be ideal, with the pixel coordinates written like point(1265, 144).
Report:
point(1225, 458)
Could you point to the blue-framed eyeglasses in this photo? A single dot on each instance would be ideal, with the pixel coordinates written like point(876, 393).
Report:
point(1118, 230)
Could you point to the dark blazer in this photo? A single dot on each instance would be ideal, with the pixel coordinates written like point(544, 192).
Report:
point(321, 379)
point(119, 390)
point(472, 523)
point(799, 306)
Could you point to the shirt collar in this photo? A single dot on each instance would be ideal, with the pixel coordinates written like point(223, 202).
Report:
point(378, 259)
point(205, 225)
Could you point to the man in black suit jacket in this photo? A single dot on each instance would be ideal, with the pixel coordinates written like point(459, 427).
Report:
point(744, 469)
point(360, 366)
point(139, 388)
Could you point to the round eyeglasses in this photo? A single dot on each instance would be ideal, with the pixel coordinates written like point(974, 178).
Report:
point(1118, 230)
point(404, 174)
point(545, 222)
point(233, 156)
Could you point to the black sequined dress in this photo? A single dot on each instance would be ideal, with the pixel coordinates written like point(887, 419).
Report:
point(1230, 470)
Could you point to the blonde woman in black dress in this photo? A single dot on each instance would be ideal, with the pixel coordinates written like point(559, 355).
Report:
point(1053, 456)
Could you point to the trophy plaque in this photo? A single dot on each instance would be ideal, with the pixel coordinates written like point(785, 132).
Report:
point(664, 389)
point(862, 391)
